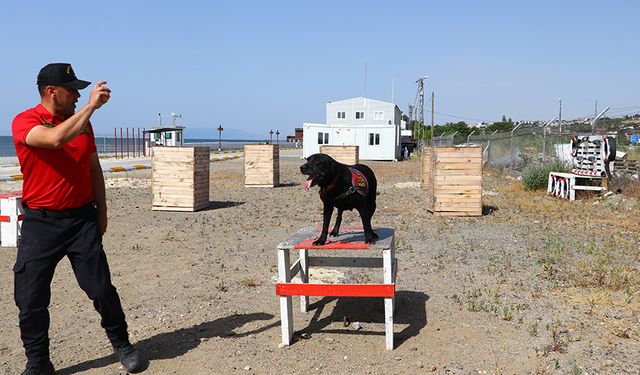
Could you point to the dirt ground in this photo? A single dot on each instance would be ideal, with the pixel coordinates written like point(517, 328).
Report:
point(534, 286)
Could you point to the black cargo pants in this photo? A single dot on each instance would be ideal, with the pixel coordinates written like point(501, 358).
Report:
point(46, 237)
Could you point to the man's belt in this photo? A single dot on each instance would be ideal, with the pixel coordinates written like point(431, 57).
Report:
point(68, 213)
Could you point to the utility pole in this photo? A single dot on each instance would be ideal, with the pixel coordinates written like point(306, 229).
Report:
point(277, 136)
point(420, 83)
point(433, 106)
point(220, 129)
point(595, 113)
point(271, 136)
point(560, 119)
point(365, 77)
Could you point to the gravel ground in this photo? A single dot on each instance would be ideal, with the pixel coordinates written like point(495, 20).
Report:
point(535, 286)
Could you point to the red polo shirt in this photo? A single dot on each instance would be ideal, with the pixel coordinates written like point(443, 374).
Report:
point(54, 179)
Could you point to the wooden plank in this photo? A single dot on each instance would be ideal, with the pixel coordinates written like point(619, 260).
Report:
point(453, 179)
point(172, 208)
point(450, 206)
point(458, 213)
point(463, 189)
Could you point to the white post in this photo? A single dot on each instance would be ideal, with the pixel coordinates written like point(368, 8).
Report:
point(304, 278)
point(388, 263)
point(286, 311)
point(9, 231)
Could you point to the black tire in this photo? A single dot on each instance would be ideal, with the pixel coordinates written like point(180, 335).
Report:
point(574, 146)
point(610, 148)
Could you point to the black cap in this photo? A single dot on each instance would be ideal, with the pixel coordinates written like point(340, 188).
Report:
point(60, 74)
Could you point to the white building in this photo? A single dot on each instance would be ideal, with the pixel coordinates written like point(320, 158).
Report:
point(372, 125)
point(163, 136)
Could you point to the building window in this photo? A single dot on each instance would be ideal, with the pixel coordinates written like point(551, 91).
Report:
point(359, 115)
point(323, 138)
point(374, 139)
point(378, 115)
point(167, 136)
point(156, 136)
point(342, 115)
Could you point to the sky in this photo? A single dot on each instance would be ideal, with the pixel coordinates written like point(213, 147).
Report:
point(255, 66)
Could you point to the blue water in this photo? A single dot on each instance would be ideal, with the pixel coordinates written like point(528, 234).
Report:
point(106, 145)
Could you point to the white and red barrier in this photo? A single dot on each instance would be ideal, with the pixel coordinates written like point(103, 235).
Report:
point(559, 186)
point(585, 172)
point(10, 218)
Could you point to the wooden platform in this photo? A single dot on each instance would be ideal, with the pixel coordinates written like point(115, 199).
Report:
point(452, 177)
point(348, 241)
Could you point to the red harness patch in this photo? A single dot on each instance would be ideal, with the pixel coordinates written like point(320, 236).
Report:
point(359, 181)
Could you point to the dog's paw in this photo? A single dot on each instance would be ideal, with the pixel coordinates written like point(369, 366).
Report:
point(320, 241)
point(334, 233)
point(370, 238)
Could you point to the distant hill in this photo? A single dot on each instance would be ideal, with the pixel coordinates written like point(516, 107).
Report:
point(212, 133)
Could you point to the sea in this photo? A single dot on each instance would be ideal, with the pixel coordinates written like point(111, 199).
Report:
point(107, 146)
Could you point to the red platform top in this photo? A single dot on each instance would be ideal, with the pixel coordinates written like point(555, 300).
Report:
point(350, 238)
point(332, 245)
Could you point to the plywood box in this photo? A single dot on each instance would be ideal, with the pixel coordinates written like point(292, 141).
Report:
point(452, 178)
point(180, 178)
point(349, 155)
point(261, 165)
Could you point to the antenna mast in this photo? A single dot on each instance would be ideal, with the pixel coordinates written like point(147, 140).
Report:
point(420, 113)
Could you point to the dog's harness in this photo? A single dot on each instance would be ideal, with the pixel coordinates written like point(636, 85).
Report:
point(359, 184)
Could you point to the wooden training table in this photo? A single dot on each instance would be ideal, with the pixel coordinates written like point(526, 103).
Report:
point(352, 240)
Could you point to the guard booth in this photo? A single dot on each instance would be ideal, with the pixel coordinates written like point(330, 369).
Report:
point(169, 136)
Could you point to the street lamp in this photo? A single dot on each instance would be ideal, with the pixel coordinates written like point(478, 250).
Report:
point(220, 129)
point(277, 134)
point(270, 136)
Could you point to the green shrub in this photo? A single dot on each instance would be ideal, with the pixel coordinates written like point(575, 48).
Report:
point(535, 176)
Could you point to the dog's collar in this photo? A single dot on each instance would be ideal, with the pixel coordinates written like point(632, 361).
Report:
point(330, 187)
point(359, 184)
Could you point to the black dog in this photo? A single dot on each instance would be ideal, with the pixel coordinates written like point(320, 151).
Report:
point(345, 188)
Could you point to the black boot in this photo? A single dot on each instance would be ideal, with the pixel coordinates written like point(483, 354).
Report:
point(128, 357)
point(47, 369)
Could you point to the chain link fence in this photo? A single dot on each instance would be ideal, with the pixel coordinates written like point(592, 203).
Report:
point(520, 147)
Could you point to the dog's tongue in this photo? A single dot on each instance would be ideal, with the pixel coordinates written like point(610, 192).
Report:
point(309, 183)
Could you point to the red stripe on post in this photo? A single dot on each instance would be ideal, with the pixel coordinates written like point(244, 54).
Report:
point(7, 219)
point(336, 290)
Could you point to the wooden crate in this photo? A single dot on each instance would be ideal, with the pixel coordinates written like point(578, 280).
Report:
point(452, 177)
point(180, 178)
point(261, 165)
point(349, 155)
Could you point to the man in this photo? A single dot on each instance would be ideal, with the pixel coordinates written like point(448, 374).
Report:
point(63, 196)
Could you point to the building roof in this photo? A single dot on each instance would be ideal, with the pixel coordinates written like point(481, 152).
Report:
point(360, 98)
point(160, 129)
